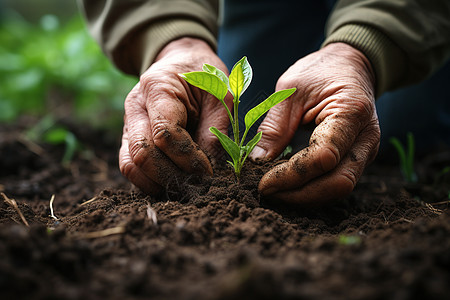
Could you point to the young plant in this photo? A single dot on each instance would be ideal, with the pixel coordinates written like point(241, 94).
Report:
point(215, 82)
point(47, 131)
point(406, 156)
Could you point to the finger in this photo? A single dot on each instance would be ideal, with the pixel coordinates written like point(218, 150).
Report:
point(341, 180)
point(168, 117)
point(213, 114)
point(278, 129)
point(134, 173)
point(329, 143)
point(144, 154)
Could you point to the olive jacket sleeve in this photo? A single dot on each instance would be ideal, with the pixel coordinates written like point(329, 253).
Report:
point(405, 40)
point(131, 33)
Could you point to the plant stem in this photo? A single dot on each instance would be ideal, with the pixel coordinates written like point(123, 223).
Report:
point(236, 120)
point(243, 137)
point(238, 166)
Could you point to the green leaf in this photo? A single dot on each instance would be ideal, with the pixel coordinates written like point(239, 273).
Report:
point(406, 157)
point(252, 143)
point(208, 82)
point(213, 70)
point(256, 112)
point(228, 144)
point(348, 240)
point(59, 135)
point(240, 77)
point(56, 136)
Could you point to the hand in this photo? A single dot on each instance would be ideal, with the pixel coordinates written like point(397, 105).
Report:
point(164, 115)
point(335, 89)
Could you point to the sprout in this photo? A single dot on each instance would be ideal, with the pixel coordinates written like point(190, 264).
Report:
point(215, 82)
point(406, 156)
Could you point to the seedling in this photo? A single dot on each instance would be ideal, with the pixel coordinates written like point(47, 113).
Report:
point(349, 240)
point(406, 156)
point(49, 132)
point(215, 82)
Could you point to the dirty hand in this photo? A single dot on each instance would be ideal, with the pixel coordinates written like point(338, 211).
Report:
point(164, 115)
point(335, 89)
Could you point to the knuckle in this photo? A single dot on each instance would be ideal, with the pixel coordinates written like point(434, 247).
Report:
point(148, 84)
point(156, 82)
point(330, 158)
point(286, 83)
point(363, 108)
point(271, 131)
point(139, 151)
point(161, 133)
point(132, 99)
point(346, 182)
point(127, 169)
point(327, 158)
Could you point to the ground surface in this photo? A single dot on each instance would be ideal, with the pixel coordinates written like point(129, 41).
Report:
point(213, 239)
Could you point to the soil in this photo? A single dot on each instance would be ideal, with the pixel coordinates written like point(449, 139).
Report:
point(212, 238)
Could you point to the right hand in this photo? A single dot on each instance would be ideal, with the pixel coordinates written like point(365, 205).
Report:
point(165, 134)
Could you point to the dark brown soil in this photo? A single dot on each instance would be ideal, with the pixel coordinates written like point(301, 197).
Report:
point(212, 239)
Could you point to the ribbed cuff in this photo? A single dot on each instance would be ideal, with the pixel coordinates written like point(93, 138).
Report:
point(386, 58)
point(161, 33)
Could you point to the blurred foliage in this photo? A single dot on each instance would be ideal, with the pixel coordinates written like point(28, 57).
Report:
point(49, 132)
point(58, 69)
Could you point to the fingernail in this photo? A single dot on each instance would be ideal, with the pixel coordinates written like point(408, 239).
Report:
point(258, 153)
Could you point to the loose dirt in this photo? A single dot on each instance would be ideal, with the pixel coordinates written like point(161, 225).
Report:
point(212, 238)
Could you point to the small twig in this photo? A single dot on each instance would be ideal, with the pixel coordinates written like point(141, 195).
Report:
point(13, 203)
point(433, 210)
point(89, 201)
point(102, 233)
point(176, 214)
point(151, 214)
point(442, 202)
point(17, 222)
point(404, 220)
point(391, 214)
point(51, 208)
point(32, 146)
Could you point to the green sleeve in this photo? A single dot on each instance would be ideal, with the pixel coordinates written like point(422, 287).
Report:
point(405, 40)
point(131, 33)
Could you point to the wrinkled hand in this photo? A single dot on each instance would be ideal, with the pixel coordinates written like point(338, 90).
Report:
point(164, 115)
point(335, 89)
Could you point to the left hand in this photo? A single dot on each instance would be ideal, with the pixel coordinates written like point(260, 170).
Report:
point(335, 88)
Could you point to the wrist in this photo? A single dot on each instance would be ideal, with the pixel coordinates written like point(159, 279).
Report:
point(182, 45)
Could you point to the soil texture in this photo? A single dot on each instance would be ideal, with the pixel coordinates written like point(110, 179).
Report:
point(212, 238)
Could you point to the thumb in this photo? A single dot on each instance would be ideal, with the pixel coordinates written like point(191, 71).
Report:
point(278, 129)
point(213, 114)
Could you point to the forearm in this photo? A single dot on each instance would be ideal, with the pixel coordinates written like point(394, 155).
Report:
point(405, 40)
point(131, 33)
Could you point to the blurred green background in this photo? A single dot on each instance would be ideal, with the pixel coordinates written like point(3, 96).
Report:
point(50, 66)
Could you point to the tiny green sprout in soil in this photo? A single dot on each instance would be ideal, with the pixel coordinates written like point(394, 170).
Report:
point(215, 82)
point(47, 131)
point(406, 156)
point(349, 240)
